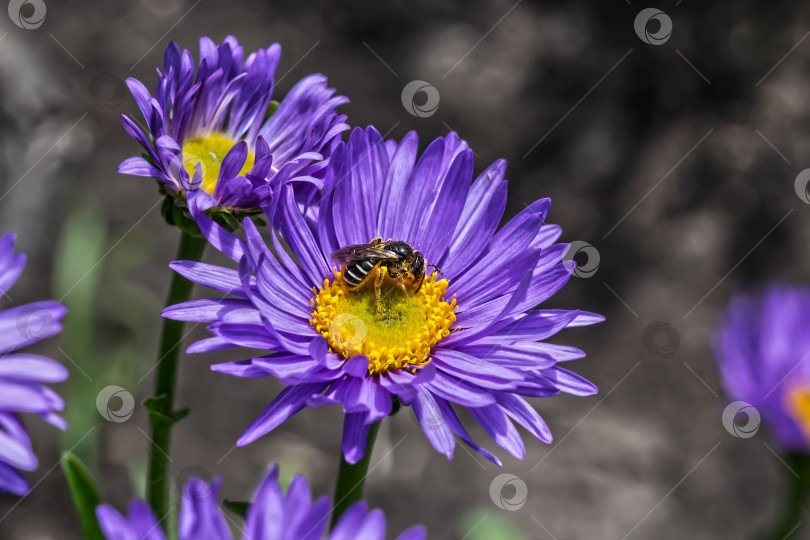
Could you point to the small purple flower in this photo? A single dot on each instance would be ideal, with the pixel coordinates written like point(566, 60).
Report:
point(468, 337)
point(763, 351)
point(209, 128)
point(23, 376)
point(273, 515)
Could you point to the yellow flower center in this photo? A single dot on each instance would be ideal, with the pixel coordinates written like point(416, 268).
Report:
point(209, 152)
point(797, 403)
point(395, 333)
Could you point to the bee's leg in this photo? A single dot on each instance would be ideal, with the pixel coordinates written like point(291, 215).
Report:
point(420, 284)
point(377, 284)
point(398, 274)
point(401, 283)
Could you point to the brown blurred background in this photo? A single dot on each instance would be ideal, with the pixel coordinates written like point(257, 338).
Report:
point(675, 158)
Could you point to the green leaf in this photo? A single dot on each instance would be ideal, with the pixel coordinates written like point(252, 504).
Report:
point(156, 405)
point(240, 508)
point(157, 410)
point(84, 494)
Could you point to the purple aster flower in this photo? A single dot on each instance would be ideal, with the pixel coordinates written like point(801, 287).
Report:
point(763, 351)
point(23, 376)
point(468, 337)
point(273, 515)
point(209, 127)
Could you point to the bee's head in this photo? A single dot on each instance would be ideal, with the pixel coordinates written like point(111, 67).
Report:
point(417, 264)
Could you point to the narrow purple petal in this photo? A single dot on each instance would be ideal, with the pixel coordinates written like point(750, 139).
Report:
point(287, 403)
point(355, 433)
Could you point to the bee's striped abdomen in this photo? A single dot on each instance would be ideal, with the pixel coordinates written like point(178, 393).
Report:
point(358, 272)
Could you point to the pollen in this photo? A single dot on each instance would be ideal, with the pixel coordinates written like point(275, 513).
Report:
point(398, 332)
point(209, 152)
point(797, 403)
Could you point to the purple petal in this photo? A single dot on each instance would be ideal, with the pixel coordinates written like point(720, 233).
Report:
point(498, 426)
point(291, 400)
point(355, 434)
point(457, 391)
point(396, 185)
point(433, 425)
point(23, 325)
point(525, 415)
point(31, 368)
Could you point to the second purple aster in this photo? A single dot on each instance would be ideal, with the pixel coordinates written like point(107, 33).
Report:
point(212, 126)
point(763, 351)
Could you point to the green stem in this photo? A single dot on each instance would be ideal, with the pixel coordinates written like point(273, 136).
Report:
point(162, 415)
point(352, 478)
point(788, 525)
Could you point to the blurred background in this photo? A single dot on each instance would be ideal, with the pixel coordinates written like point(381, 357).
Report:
point(669, 141)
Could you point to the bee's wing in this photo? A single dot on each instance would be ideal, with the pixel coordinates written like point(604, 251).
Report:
point(359, 252)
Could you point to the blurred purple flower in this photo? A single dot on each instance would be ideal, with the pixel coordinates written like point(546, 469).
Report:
point(210, 129)
point(273, 515)
point(22, 376)
point(469, 338)
point(763, 351)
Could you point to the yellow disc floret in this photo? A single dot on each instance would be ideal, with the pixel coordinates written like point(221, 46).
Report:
point(797, 402)
point(209, 152)
point(397, 332)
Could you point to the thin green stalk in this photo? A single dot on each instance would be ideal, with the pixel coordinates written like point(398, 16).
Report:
point(161, 408)
point(352, 478)
point(787, 527)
